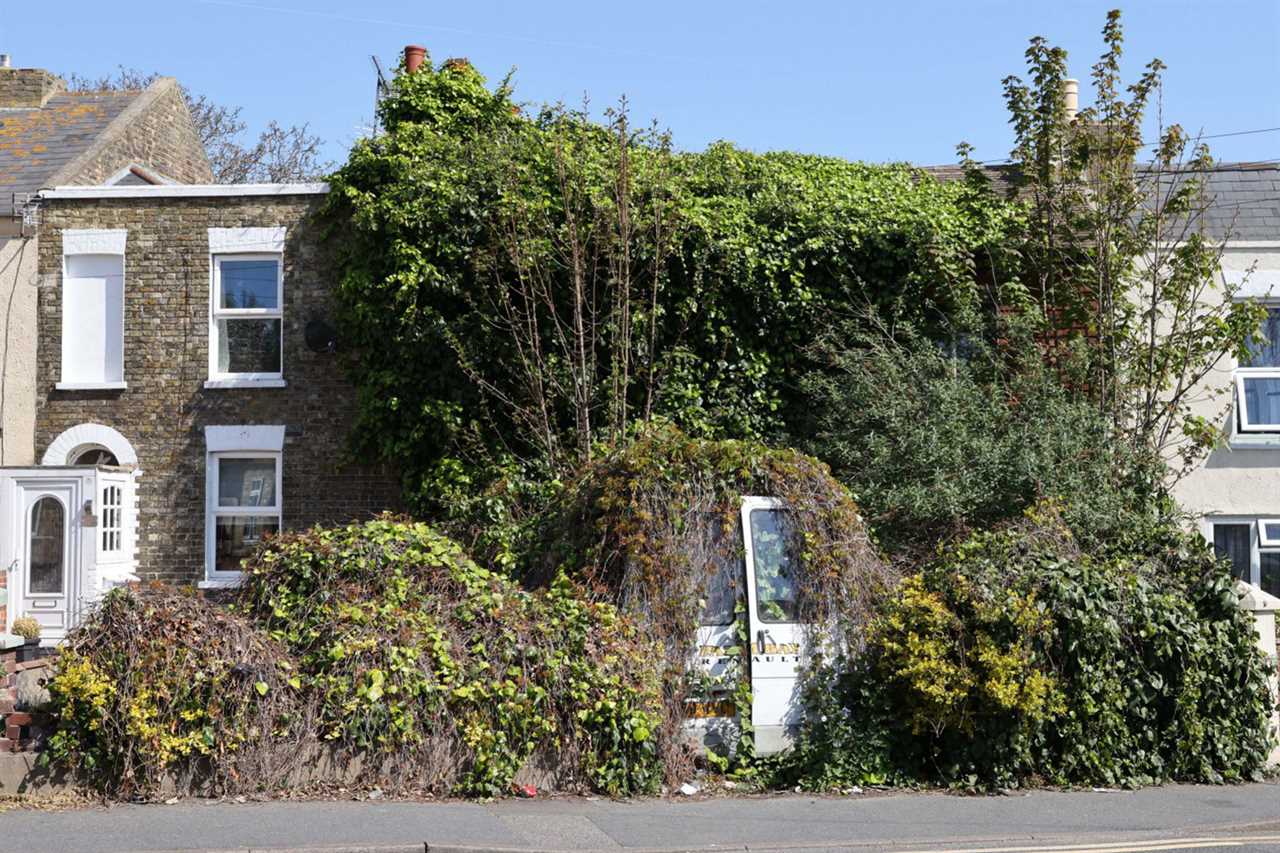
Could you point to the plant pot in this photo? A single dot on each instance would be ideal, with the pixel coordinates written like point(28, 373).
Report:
point(30, 650)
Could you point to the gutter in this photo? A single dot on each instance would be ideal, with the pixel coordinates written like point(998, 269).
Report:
point(182, 191)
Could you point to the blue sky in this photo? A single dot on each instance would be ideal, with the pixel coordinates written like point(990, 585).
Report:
point(875, 81)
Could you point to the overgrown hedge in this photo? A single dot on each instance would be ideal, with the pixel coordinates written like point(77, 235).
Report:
point(1016, 659)
point(650, 524)
point(380, 642)
point(383, 652)
point(647, 523)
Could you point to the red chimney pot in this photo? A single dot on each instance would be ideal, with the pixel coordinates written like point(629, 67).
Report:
point(414, 55)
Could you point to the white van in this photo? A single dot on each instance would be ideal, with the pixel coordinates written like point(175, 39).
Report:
point(772, 646)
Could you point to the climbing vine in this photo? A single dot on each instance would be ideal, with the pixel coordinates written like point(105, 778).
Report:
point(525, 286)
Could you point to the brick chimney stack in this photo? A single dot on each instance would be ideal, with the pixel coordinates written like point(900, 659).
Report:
point(27, 88)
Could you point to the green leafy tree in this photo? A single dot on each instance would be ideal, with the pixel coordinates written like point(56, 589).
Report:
point(940, 441)
point(1116, 260)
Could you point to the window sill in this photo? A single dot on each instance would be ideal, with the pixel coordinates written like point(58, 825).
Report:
point(1254, 441)
point(222, 583)
point(246, 383)
point(91, 386)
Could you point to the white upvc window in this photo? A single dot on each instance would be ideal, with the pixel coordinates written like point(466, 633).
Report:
point(1252, 545)
point(1257, 379)
point(243, 496)
point(92, 309)
point(246, 326)
point(243, 507)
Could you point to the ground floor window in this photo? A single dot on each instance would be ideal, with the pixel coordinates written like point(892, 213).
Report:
point(1252, 548)
point(243, 506)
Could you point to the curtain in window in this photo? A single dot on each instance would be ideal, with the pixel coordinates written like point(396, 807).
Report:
point(1232, 541)
point(1264, 348)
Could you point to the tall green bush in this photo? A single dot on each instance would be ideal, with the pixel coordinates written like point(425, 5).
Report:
point(937, 441)
point(524, 286)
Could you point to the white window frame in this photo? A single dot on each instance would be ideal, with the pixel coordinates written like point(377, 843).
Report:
point(220, 379)
point(111, 521)
point(1264, 542)
point(213, 577)
point(1242, 411)
point(1256, 546)
point(1240, 421)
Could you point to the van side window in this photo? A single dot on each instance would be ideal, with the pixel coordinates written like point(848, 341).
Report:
point(722, 587)
point(776, 594)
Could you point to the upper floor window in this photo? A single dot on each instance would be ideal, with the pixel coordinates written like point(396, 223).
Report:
point(1258, 379)
point(92, 309)
point(246, 326)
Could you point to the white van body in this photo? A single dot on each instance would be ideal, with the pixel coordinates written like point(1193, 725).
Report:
point(773, 647)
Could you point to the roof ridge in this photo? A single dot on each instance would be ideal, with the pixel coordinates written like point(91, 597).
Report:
point(76, 93)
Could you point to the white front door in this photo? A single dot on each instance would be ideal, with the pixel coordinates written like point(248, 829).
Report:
point(774, 633)
point(45, 581)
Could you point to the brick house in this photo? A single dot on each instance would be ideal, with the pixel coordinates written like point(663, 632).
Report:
point(189, 397)
point(49, 136)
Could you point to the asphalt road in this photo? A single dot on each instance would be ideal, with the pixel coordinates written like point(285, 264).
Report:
point(1240, 818)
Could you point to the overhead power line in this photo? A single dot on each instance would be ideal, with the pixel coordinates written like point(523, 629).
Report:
point(1001, 160)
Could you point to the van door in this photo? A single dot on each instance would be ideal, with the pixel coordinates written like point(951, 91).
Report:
point(711, 717)
point(774, 631)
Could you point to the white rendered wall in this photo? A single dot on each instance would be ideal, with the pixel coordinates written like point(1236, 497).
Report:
point(1235, 479)
point(17, 350)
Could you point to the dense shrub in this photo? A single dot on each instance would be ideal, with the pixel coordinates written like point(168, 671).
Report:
point(380, 642)
point(160, 683)
point(473, 225)
point(449, 674)
point(1015, 658)
point(937, 441)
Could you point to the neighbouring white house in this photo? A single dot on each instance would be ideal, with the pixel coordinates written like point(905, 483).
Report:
point(1235, 491)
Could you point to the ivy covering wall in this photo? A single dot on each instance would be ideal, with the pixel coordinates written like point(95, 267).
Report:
point(521, 286)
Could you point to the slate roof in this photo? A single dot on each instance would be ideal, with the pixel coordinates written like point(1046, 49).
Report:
point(1001, 177)
point(1244, 197)
point(1245, 201)
point(36, 143)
